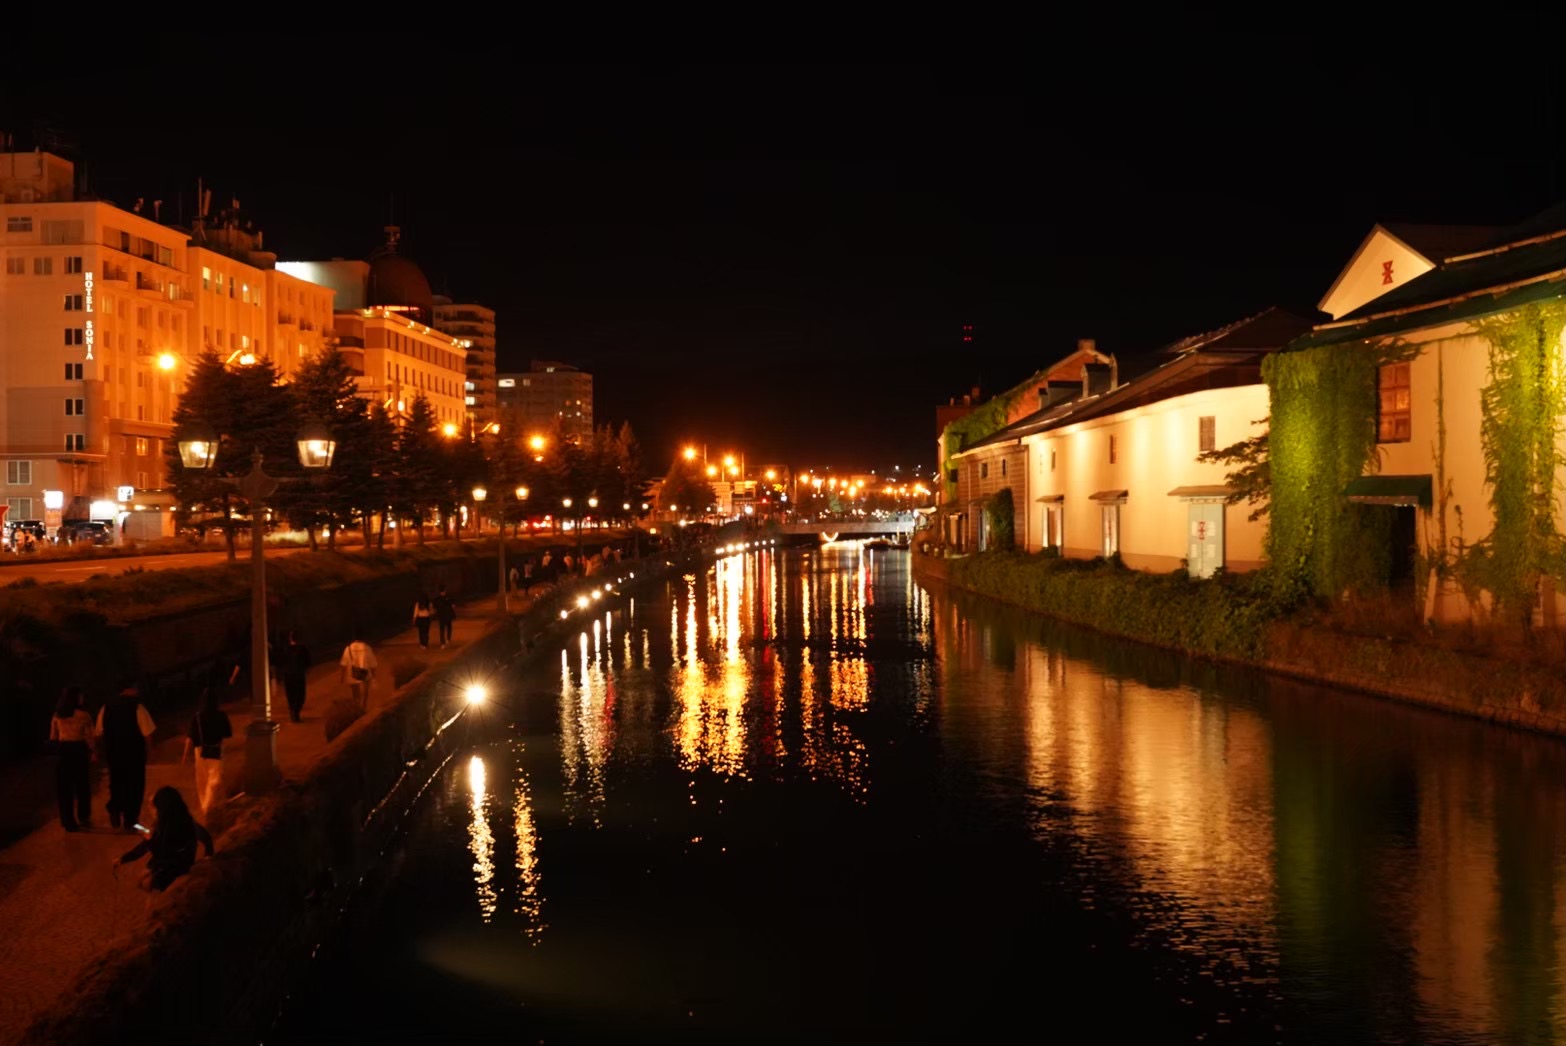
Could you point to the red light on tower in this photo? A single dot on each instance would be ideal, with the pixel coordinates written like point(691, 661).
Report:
point(967, 333)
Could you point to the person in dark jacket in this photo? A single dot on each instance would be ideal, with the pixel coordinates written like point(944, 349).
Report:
point(172, 842)
point(294, 667)
point(124, 726)
point(445, 614)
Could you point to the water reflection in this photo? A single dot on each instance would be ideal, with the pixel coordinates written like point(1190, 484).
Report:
point(481, 841)
point(794, 758)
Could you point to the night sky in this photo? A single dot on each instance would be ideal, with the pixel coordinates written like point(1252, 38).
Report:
point(780, 259)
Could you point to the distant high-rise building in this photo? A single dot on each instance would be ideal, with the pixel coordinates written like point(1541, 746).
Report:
point(548, 393)
point(475, 325)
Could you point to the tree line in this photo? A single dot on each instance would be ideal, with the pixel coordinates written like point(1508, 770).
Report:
point(386, 470)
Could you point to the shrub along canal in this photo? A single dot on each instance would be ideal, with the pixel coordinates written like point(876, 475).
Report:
point(798, 797)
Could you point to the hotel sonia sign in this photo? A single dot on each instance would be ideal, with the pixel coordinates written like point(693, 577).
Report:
point(87, 333)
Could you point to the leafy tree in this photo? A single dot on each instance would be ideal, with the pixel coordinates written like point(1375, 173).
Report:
point(421, 482)
point(687, 488)
point(1250, 475)
point(249, 410)
point(324, 390)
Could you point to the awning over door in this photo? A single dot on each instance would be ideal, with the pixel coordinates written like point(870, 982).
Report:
point(1051, 499)
point(1108, 495)
point(1216, 491)
point(1390, 490)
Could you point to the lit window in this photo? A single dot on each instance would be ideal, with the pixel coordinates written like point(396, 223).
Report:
point(206, 278)
point(1111, 520)
point(1396, 414)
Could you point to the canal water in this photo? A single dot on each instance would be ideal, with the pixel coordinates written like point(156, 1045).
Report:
point(799, 797)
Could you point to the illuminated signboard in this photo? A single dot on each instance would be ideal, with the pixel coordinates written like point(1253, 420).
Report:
point(506, 383)
point(87, 335)
point(126, 493)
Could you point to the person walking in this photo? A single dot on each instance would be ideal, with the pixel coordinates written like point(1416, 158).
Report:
point(294, 667)
point(359, 664)
point(527, 575)
point(209, 728)
point(445, 614)
point(423, 614)
point(172, 842)
point(513, 579)
point(71, 731)
point(124, 726)
point(545, 565)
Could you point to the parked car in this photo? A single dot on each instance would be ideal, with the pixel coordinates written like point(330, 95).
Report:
point(15, 528)
point(88, 531)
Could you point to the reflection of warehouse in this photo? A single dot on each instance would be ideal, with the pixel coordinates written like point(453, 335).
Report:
point(548, 394)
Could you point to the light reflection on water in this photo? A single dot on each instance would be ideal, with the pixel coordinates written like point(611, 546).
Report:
point(789, 759)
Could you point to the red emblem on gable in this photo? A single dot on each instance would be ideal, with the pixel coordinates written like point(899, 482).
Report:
point(1386, 273)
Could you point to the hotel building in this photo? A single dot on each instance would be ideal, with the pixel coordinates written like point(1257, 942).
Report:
point(474, 324)
point(383, 325)
point(96, 312)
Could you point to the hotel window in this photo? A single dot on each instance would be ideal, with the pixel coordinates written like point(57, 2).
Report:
point(245, 295)
point(244, 341)
point(1396, 423)
point(19, 473)
point(15, 266)
point(141, 445)
point(21, 224)
point(230, 288)
point(73, 335)
point(43, 266)
point(141, 480)
point(125, 242)
point(1111, 450)
point(1206, 434)
point(140, 379)
point(206, 278)
point(73, 303)
point(21, 508)
point(73, 372)
point(141, 315)
point(141, 412)
point(73, 407)
point(76, 441)
point(73, 263)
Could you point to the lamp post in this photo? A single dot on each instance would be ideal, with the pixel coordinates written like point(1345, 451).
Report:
point(198, 451)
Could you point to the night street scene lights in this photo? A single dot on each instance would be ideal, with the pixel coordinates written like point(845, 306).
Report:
point(199, 451)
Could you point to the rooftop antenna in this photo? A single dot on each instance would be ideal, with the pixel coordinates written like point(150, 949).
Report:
point(156, 206)
point(139, 201)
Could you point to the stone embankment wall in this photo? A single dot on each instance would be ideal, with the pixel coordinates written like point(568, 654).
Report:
point(1495, 689)
point(224, 946)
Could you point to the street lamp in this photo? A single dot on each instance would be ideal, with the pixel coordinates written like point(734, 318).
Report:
point(479, 494)
point(198, 451)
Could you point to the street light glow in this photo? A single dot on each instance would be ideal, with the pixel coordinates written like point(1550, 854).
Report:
point(522, 493)
point(536, 442)
point(449, 429)
point(690, 453)
point(167, 361)
point(476, 693)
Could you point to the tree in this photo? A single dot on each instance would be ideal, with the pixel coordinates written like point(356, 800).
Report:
point(686, 489)
point(371, 467)
point(324, 390)
point(1250, 478)
point(420, 482)
point(249, 410)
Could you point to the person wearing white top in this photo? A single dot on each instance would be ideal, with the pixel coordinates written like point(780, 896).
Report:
point(359, 664)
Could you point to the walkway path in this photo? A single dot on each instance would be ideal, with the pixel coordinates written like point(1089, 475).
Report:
point(61, 904)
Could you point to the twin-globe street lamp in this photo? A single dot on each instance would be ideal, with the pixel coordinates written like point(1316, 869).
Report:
point(198, 452)
point(502, 597)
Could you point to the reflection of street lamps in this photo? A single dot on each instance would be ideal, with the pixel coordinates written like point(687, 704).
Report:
point(198, 451)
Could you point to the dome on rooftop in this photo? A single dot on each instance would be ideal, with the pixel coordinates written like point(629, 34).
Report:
point(396, 281)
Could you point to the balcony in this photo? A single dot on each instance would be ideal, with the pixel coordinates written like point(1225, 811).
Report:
point(117, 273)
point(306, 325)
point(286, 319)
point(147, 283)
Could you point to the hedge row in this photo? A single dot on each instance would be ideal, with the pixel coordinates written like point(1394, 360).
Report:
point(1223, 617)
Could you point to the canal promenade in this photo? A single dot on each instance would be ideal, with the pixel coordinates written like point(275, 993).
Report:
point(63, 906)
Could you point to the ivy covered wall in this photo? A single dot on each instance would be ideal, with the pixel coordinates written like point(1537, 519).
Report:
point(1323, 435)
point(1522, 408)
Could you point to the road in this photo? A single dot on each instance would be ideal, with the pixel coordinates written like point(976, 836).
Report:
point(70, 570)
